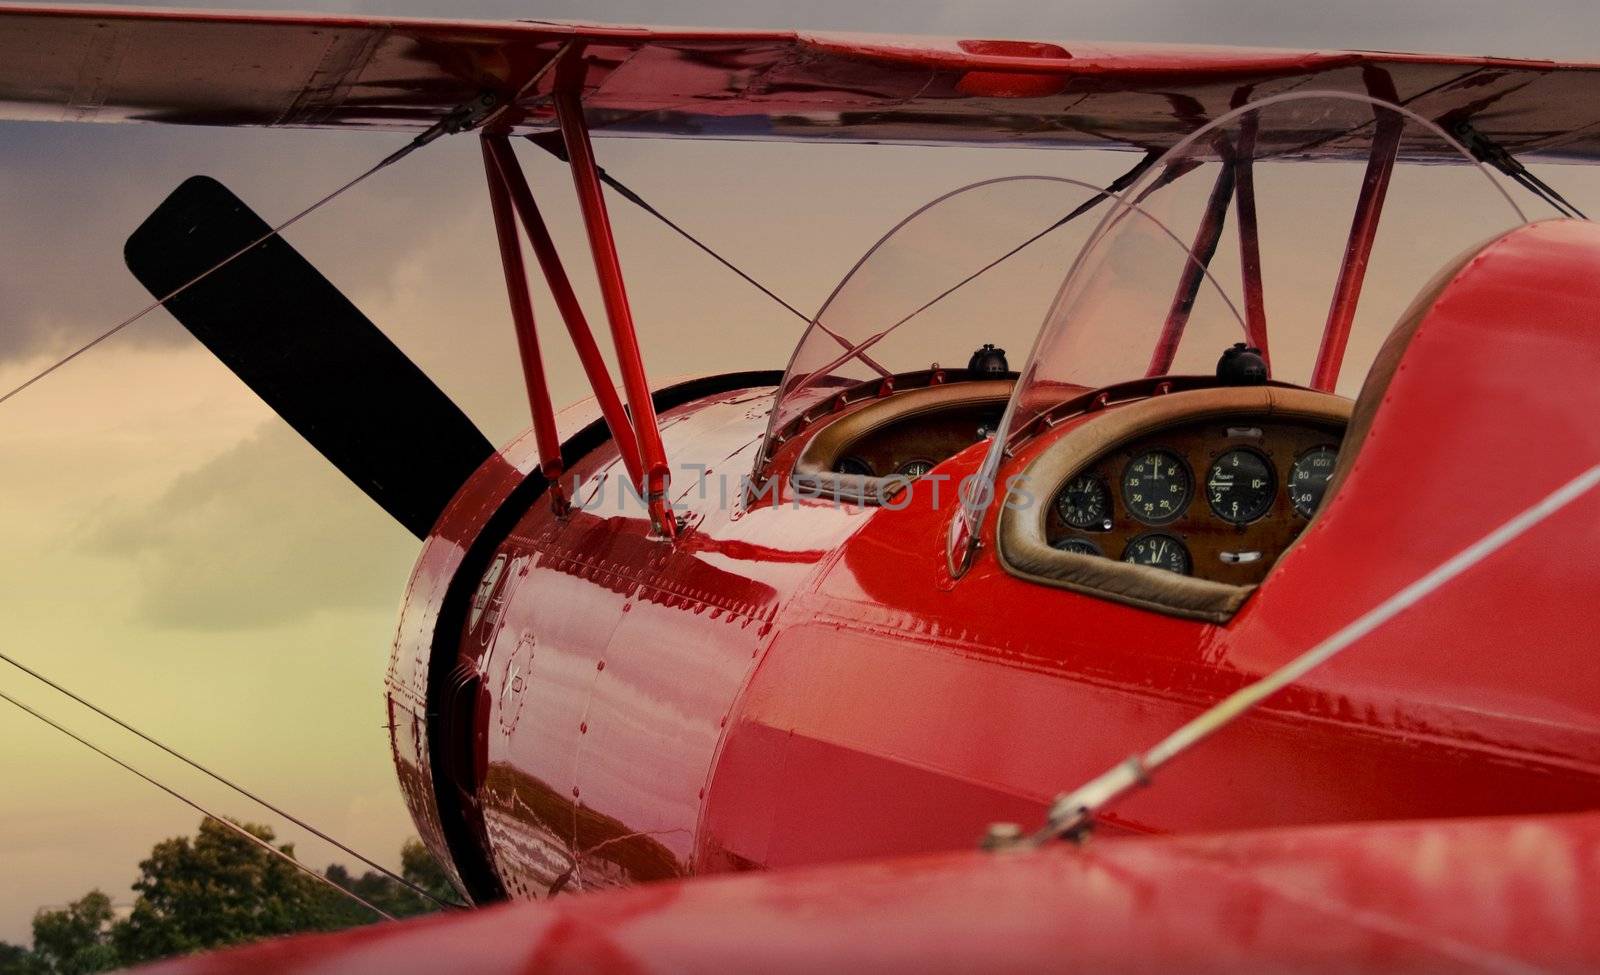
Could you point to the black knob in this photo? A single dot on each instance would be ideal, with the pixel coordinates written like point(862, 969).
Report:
point(988, 361)
point(1242, 365)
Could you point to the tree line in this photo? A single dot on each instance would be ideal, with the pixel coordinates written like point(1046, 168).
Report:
point(209, 891)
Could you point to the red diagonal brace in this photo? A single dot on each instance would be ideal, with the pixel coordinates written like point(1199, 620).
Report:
point(555, 275)
point(591, 201)
point(1193, 275)
point(544, 416)
point(1244, 203)
point(1358, 250)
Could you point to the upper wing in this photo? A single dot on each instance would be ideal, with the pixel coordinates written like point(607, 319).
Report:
point(117, 64)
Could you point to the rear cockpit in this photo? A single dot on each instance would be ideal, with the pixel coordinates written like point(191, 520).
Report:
point(1151, 467)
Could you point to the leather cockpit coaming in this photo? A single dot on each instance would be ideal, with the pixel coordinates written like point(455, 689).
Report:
point(1022, 543)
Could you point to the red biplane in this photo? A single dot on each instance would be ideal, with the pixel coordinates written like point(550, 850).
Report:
point(1310, 523)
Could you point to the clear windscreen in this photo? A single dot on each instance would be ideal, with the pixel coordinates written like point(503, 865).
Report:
point(1263, 200)
point(977, 265)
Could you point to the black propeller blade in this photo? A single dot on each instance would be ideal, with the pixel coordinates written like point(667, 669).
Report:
point(308, 352)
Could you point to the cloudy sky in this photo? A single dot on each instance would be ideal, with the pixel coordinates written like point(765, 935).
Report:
point(172, 550)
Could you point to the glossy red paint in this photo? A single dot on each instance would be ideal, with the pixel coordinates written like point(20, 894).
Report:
point(566, 302)
point(796, 682)
point(516, 275)
point(86, 63)
point(1495, 895)
point(579, 700)
point(614, 293)
point(905, 714)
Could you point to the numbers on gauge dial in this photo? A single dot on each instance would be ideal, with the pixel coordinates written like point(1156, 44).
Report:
point(1085, 503)
point(1082, 546)
point(914, 469)
point(1308, 479)
point(1160, 550)
point(1156, 487)
point(1240, 486)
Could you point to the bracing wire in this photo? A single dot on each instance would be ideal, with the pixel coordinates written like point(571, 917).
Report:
point(464, 117)
point(235, 827)
point(456, 121)
point(1547, 193)
point(482, 110)
point(1489, 152)
point(1072, 813)
point(218, 777)
point(629, 194)
point(1115, 187)
point(180, 289)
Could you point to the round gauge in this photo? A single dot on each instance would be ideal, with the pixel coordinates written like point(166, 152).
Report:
point(1240, 486)
point(1156, 486)
point(1160, 550)
point(914, 468)
point(1085, 503)
point(1308, 480)
point(1080, 545)
point(854, 465)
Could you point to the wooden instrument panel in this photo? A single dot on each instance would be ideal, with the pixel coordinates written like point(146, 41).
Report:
point(926, 439)
point(1223, 541)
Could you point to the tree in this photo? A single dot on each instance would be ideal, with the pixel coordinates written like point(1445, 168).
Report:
point(74, 940)
point(418, 866)
point(210, 891)
point(218, 889)
point(17, 960)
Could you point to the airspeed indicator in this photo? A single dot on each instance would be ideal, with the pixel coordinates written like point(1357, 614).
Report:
point(1308, 481)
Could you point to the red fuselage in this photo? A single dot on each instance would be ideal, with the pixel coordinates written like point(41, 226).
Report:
point(577, 704)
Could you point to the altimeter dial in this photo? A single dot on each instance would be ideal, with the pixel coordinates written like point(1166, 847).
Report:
point(1085, 503)
point(1156, 486)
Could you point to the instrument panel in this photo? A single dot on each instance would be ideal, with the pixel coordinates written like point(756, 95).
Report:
point(1216, 499)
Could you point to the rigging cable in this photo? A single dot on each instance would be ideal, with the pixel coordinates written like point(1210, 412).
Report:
point(555, 147)
point(235, 827)
point(1072, 814)
point(553, 144)
point(1487, 151)
point(1113, 189)
point(461, 119)
point(241, 790)
point(464, 117)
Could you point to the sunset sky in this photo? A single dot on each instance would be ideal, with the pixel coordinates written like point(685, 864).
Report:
point(174, 552)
